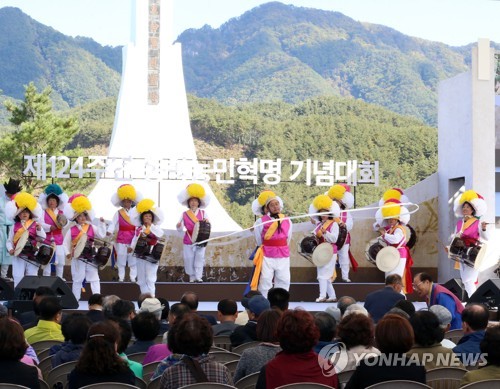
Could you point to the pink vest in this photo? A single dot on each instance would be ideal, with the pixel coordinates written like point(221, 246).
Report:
point(277, 246)
point(471, 232)
point(189, 224)
point(329, 229)
point(56, 234)
point(31, 231)
point(152, 238)
point(343, 217)
point(125, 231)
point(403, 251)
point(75, 231)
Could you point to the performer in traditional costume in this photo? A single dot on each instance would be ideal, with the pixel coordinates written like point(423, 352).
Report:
point(326, 230)
point(7, 191)
point(341, 194)
point(148, 219)
point(24, 211)
point(53, 201)
point(196, 199)
point(390, 222)
point(273, 232)
point(79, 210)
point(125, 197)
point(470, 207)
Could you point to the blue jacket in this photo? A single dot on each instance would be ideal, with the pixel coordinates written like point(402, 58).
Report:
point(468, 349)
point(381, 301)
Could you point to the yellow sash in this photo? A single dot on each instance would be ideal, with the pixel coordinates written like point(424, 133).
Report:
point(147, 231)
point(84, 230)
point(20, 231)
point(125, 216)
point(327, 224)
point(259, 255)
point(469, 222)
point(53, 216)
point(192, 216)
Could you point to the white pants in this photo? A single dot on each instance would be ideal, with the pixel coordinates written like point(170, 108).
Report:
point(4, 270)
point(20, 268)
point(194, 261)
point(325, 274)
point(399, 269)
point(59, 261)
point(80, 271)
point(344, 261)
point(122, 257)
point(146, 276)
point(469, 277)
point(277, 268)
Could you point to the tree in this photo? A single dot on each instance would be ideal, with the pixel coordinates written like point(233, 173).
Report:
point(38, 130)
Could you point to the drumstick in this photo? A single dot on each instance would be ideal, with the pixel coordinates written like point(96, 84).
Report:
point(444, 246)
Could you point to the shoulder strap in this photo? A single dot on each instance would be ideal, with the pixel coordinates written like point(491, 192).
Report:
point(195, 369)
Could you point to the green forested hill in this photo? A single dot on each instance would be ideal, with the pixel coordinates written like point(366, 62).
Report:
point(282, 52)
point(76, 69)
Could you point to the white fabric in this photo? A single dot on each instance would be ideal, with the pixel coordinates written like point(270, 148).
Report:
point(326, 289)
point(277, 268)
point(122, 258)
point(469, 277)
point(194, 261)
point(399, 269)
point(59, 261)
point(344, 261)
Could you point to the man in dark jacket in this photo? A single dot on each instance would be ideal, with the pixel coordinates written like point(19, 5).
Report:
point(380, 302)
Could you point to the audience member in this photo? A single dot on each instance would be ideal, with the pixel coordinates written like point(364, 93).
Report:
point(327, 326)
point(428, 337)
point(378, 303)
point(278, 298)
point(355, 308)
point(227, 312)
point(107, 304)
point(142, 297)
point(125, 334)
point(437, 294)
point(297, 335)
point(490, 349)
point(99, 361)
point(191, 300)
point(193, 338)
point(248, 332)
point(161, 351)
point(74, 328)
point(356, 331)
point(95, 313)
point(164, 315)
point(152, 305)
point(474, 322)
point(344, 302)
point(394, 337)
point(242, 318)
point(12, 349)
point(145, 327)
point(48, 327)
point(254, 358)
point(123, 309)
point(404, 306)
point(334, 312)
point(444, 317)
point(30, 319)
point(175, 355)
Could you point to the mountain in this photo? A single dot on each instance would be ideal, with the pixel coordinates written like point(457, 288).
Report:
point(79, 70)
point(282, 52)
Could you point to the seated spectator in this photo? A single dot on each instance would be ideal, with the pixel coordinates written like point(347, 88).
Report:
point(490, 349)
point(99, 361)
point(125, 334)
point(378, 303)
point(107, 304)
point(193, 338)
point(142, 297)
point(12, 349)
point(248, 332)
point(327, 330)
point(355, 308)
point(164, 316)
point(191, 300)
point(145, 328)
point(474, 322)
point(334, 312)
point(297, 335)
point(30, 319)
point(427, 347)
point(444, 317)
point(406, 306)
point(394, 337)
point(123, 309)
point(161, 351)
point(48, 327)
point(254, 358)
point(95, 313)
point(175, 355)
point(227, 312)
point(152, 305)
point(74, 328)
point(279, 299)
point(343, 303)
point(242, 318)
point(356, 331)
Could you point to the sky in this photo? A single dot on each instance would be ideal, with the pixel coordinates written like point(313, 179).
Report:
point(454, 22)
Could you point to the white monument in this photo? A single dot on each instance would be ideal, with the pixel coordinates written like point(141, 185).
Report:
point(152, 118)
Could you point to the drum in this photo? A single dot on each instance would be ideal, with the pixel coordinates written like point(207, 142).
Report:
point(372, 249)
point(342, 237)
point(411, 236)
point(142, 248)
point(21, 243)
point(201, 232)
point(317, 253)
point(380, 254)
point(307, 246)
point(157, 251)
point(44, 254)
point(80, 245)
point(102, 256)
point(472, 255)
